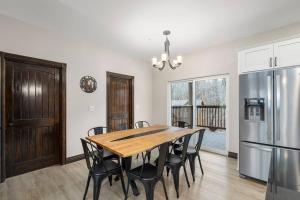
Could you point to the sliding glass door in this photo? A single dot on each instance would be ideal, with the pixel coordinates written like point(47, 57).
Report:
point(202, 102)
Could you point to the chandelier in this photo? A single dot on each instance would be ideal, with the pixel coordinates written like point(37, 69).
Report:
point(165, 57)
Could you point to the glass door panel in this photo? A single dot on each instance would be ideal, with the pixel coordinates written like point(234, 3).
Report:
point(182, 102)
point(210, 103)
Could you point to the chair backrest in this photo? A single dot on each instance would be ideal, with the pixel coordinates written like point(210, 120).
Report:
point(91, 153)
point(186, 140)
point(97, 130)
point(163, 152)
point(141, 124)
point(200, 138)
point(181, 124)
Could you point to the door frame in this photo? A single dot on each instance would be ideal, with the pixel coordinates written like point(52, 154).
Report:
point(109, 75)
point(62, 104)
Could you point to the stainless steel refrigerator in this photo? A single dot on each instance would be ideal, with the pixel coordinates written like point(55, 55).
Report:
point(269, 128)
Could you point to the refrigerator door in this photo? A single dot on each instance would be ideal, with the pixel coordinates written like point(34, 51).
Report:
point(256, 107)
point(270, 186)
point(286, 174)
point(255, 160)
point(287, 107)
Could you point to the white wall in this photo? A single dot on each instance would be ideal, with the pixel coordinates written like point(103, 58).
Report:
point(82, 58)
point(221, 59)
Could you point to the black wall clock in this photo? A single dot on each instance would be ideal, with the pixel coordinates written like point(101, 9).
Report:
point(88, 84)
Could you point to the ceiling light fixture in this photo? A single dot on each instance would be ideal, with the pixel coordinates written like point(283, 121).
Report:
point(165, 57)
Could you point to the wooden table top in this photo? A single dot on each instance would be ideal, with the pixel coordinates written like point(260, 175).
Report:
point(132, 141)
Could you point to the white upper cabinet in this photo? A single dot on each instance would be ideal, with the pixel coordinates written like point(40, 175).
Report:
point(287, 53)
point(256, 59)
point(280, 54)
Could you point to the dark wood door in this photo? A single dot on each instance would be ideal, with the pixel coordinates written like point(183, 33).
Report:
point(32, 107)
point(119, 101)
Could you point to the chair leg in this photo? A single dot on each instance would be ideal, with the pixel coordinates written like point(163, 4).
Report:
point(168, 171)
point(175, 173)
point(200, 164)
point(87, 186)
point(110, 180)
point(137, 156)
point(192, 166)
point(149, 157)
point(165, 189)
point(186, 177)
point(149, 189)
point(97, 187)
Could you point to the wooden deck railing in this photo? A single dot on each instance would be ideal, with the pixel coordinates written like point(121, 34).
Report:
point(182, 113)
point(212, 117)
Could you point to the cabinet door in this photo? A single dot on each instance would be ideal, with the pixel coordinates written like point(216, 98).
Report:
point(287, 53)
point(259, 58)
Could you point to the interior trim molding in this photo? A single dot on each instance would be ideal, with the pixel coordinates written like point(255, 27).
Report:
point(232, 155)
point(74, 158)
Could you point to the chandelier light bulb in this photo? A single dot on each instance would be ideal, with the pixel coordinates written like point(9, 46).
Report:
point(179, 59)
point(164, 57)
point(154, 61)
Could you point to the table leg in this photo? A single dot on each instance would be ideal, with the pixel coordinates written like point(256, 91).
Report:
point(126, 164)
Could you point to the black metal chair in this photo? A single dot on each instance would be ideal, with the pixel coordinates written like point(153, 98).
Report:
point(193, 152)
point(101, 130)
point(99, 168)
point(98, 130)
point(175, 162)
point(149, 174)
point(106, 154)
point(142, 124)
point(180, 124)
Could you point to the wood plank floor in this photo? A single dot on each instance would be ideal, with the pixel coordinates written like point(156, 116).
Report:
point(220, 182)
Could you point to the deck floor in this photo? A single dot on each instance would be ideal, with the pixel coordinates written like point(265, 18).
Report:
point(214, 140)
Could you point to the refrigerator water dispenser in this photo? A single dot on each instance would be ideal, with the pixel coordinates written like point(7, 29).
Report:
point(255, 109)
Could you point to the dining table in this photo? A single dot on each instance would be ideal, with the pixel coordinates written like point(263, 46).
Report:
point(126, 143)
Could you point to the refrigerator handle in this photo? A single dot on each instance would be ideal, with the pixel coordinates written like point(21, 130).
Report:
point(257, 146)
point(277, 114)
point(271, 173)
point(269, 107)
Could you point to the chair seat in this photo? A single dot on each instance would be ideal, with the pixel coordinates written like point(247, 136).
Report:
point(110, 166)
point(149, 171)
point(108, 154)
point(190, 150)
point(173, 159)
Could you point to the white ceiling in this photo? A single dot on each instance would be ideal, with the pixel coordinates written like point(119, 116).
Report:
point(135, 26)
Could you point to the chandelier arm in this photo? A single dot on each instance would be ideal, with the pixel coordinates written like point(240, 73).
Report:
point(170, 64)
point(163, 66)
point(156, 66)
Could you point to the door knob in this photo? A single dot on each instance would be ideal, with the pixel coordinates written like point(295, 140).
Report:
point(10, 124)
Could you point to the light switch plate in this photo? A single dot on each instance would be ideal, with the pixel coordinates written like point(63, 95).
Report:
point(91, 108)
